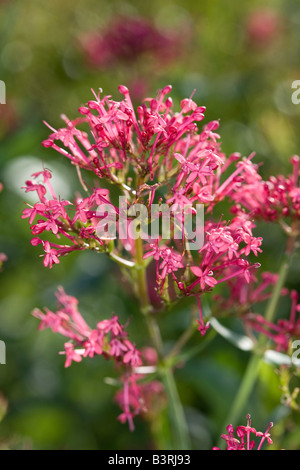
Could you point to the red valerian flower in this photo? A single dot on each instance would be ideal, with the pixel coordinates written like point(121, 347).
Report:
point(243, 441)
point(242, 294)
point(275, 199)
point(150, 153)
point(138, 396)
point(109, 339)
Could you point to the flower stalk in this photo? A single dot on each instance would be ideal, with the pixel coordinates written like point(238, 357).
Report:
point(253, 367)
point(180, 438)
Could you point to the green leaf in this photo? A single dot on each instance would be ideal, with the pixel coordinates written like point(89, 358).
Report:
point(240, 341)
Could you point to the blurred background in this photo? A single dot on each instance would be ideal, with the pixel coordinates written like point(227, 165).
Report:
point(241, 59)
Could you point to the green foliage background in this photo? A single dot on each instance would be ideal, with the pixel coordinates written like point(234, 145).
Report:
point(247, 86)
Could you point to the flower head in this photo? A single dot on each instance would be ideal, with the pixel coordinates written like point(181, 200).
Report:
point(154, 155)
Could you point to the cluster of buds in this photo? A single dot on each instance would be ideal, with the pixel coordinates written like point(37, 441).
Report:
point(263, 27)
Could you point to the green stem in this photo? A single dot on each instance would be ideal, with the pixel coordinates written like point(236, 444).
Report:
point(252, 370)
point(187, 334)
point(142, 292)
point(177, 417)
point(271, 308)
point(184, 338)
point(195, 350)
point(141, 275)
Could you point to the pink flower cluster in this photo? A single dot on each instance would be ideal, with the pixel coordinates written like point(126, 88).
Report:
point(109, 340)
point(263, 27)
point(3, 257)
point(281, 332)
point(219, 260)
point(243, 440)
point(127, 39)
point(78, 228)
point(242, 294)
point(277, 199)
point(140, 396)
